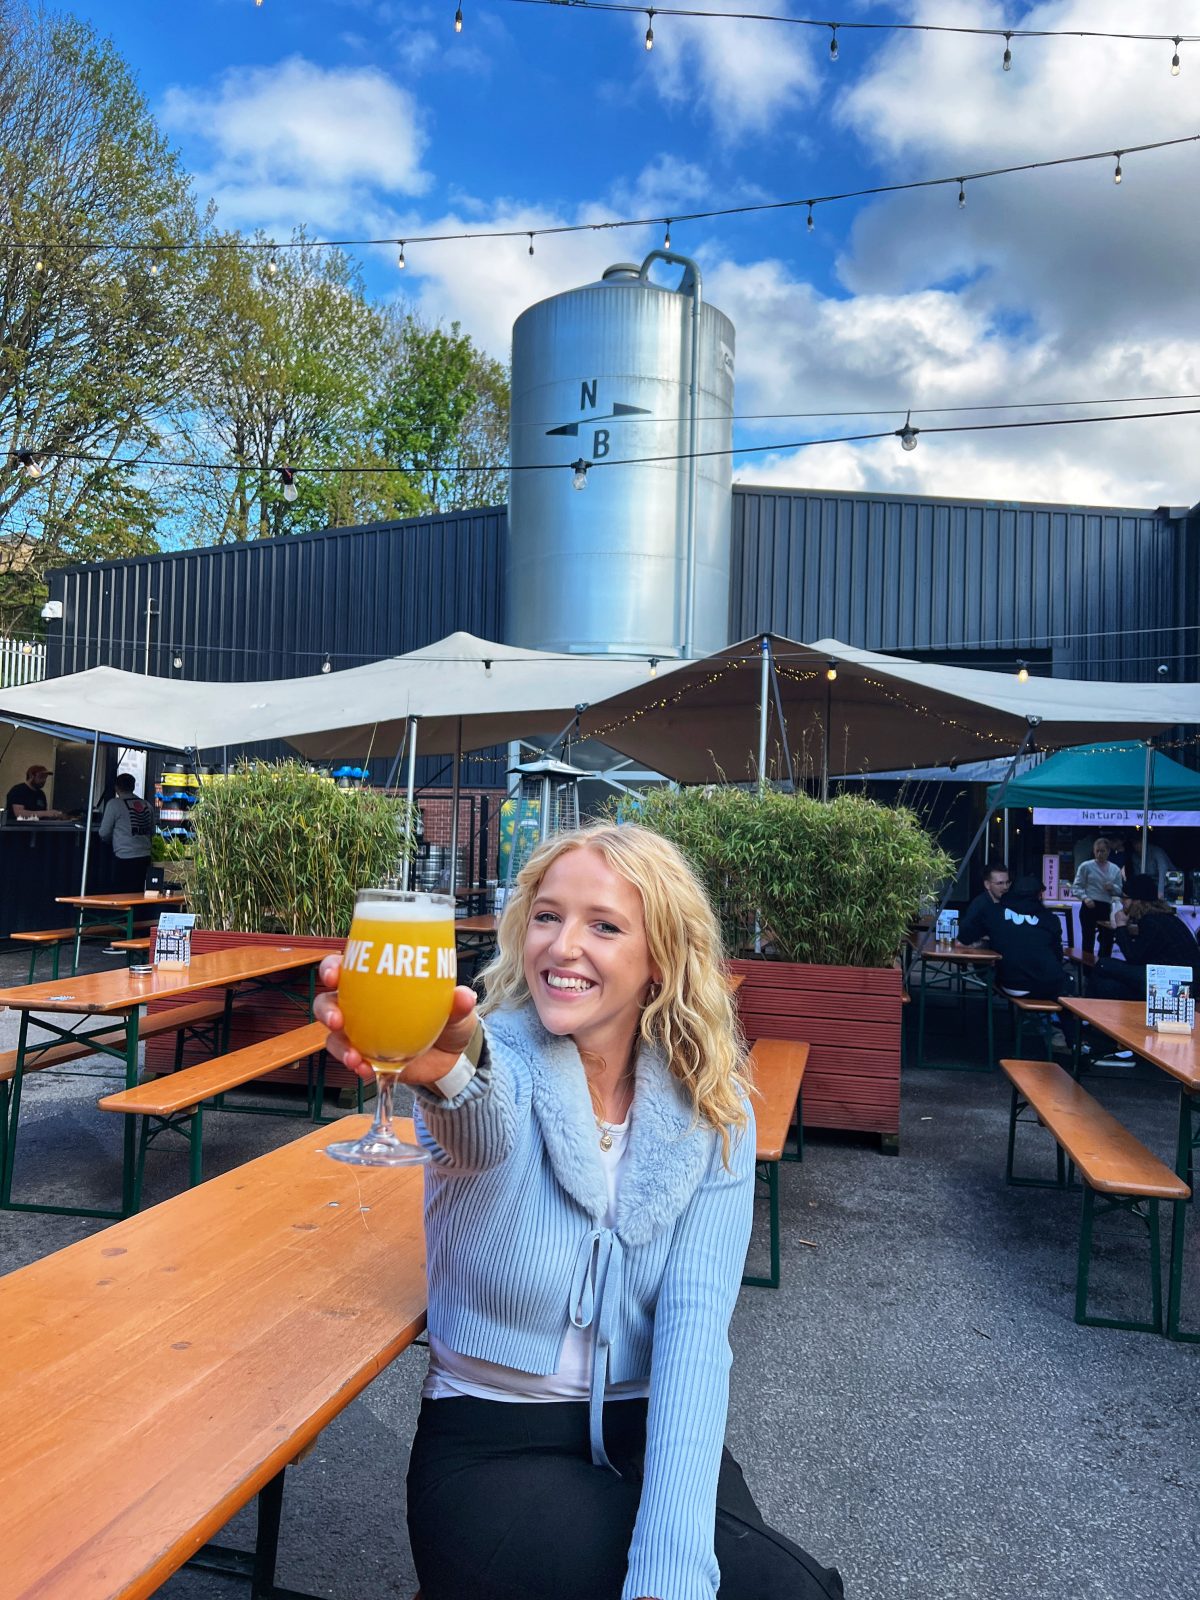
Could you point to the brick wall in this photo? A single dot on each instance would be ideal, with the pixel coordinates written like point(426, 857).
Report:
point(437, 807)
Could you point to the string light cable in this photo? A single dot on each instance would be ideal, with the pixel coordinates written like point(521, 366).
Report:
point(40, 248)
point(579, 469)
point(825, 24)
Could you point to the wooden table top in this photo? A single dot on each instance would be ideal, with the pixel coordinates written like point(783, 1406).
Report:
point(118, 902)
point(484, 924)
point(120, 989)
point(964, 954)
point(1125, 1021)
point(155, 1376)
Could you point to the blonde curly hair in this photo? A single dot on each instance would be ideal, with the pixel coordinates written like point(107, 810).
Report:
point(691, 1017)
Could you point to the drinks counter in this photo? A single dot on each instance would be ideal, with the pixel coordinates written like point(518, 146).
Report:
point(39, 860)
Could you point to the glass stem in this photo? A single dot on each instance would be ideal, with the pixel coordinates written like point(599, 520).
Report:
point(385, 1089)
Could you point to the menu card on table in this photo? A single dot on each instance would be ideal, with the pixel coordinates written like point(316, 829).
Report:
point(173, 939)
point(1170, 1004)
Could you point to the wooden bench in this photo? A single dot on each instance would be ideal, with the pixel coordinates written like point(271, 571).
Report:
point(133, 947)
point(178, 1018)
point(54, 939)
point(1111, 1162)
point(777, 1070)
point(1023, 1007)
point(162, 1373)
point(175, 1102)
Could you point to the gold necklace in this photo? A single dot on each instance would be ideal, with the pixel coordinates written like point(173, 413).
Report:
point(607, 1129)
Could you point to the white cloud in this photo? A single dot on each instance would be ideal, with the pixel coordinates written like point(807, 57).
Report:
point(743, 76)
point(319, 139)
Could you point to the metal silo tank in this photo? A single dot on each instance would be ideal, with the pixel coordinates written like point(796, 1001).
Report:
point(603, 374)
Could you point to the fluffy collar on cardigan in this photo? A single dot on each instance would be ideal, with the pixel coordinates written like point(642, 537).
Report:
point(668, 1150)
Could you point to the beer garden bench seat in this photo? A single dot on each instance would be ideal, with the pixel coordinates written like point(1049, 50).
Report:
point(1024, 1006)
point(54, 939)
point(1111, 1162)
point(175, 1101)
point(777, 1070)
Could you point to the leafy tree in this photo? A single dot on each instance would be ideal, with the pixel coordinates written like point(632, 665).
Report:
point(286, 351)
point(93, 341)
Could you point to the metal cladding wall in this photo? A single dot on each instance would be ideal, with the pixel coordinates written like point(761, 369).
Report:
point(1101, 592)
point(274, 608)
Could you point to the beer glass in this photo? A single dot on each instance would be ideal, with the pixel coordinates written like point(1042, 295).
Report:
point(395, 992)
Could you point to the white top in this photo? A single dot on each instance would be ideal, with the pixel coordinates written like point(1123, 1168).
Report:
point(1096, 882)
point(452, 1374)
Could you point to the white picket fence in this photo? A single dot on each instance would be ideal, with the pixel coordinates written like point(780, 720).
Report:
point(21, 661)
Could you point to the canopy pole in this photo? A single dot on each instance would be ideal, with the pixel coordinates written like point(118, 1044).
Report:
point(454, 807)
point(87, 844)
point(787, 754)
point(412, 783)
point(1033, 724)
point(764, 711)
point(1146, 804)
point(825, 738)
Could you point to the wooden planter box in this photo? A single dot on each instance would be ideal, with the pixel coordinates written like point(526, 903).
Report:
point(851, 1017)
point(258, 1017)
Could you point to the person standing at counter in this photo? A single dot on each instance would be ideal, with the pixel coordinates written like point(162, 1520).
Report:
point(1099, 885)
point(129, 822)
point(25, 801)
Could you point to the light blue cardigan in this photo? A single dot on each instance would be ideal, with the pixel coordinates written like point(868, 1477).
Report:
point(514, 1201)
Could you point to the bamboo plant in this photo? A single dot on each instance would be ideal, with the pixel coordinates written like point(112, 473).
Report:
point(834, 883)
point(280, 849)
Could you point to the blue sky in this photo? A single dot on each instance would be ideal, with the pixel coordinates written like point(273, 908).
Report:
point(372, 117)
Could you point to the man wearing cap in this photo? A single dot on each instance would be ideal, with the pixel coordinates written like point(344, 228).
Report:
point(28, 799)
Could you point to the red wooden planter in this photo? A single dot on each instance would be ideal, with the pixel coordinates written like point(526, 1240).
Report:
point(851, 1017)
point(258, 1017)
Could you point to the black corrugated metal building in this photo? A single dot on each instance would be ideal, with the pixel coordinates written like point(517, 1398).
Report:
point(1090, 592)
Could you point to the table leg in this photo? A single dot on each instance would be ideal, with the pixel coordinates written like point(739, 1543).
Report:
point(921, 1014)
point(129, 1196)
point(989, 996)
point(78, 945)
point(1189, 1139)
point(14, 1112)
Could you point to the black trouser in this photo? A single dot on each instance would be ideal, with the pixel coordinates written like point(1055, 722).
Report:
point(505, 1504)
point(129, 876)
point(1089, 916)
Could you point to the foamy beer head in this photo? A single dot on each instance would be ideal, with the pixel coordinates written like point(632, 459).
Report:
point(398, 973)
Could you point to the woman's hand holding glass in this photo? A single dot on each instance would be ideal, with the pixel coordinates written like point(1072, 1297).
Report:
point(422, 1070)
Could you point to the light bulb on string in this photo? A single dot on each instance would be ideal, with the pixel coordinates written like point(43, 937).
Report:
point(1118, 174)
point(154, 269)
point(809, 223)
point(831, 672)
point(1022, 672)
point(530, 244)
point(287, 479)
point(833, 44)
point(580, 469)
point(907, 435)
point(177, 662)
point(400, 258)
point(654, 666)
point(272, 264)
point(39, 265)
point(962, 196)
point(649, 30)
point(1175, 60)
point(458, 20)
point(667, 236)
point(29, 463)
point(1007, 62)
point(327, 664)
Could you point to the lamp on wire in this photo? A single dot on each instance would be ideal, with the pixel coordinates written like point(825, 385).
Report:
point(458, 20)
point(809, 223)
point(667, 236)
point(650, 30)
point(831, 671)
point(907, 435)
point(654, 666)
point(962, 195)
point(1117, 175)
point(400, 262)
point(833, 44)
point(580, 469)
point(1175, 61)
point(287, 479)
point(530, 244)
point(327, 664)
point(1022, 672)
point(177, 661)
point(1007, 62)
point(29, 463)
point(272, 264)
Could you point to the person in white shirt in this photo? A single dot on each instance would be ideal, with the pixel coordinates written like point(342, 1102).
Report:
point(1098, 885)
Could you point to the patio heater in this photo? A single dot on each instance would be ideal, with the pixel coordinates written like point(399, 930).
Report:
point(546, 801)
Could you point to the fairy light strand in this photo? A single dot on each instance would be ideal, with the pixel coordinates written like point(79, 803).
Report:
point(159, 247)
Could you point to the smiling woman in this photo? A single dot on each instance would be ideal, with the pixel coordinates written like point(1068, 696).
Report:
point(589, 1200)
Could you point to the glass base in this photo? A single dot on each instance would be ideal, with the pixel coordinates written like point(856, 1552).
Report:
point(377, 1150)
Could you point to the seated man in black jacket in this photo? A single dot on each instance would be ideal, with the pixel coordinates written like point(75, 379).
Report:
point(1148, 933)
point(973, 927)
point(1028, 940)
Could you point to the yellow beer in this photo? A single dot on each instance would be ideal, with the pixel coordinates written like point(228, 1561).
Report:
point(398, 976)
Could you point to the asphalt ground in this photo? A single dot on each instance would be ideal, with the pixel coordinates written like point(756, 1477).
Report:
point(915, 1404)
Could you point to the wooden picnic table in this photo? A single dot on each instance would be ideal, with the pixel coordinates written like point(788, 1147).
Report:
point(122, 993)
point(104, 907)
point(1178, 1055)
point(159, 1375)
point(955, 960)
